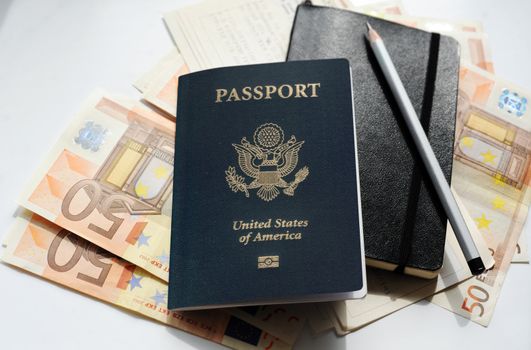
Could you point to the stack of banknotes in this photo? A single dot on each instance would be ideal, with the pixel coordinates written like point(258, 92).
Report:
point(95, 216)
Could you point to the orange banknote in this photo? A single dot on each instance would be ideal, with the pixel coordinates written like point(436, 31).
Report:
point(47, 250)
point(109, 180)
point(492, 175)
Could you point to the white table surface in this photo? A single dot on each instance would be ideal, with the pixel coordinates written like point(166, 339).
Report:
point(54, 52)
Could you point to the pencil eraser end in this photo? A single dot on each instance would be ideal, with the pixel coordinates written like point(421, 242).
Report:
point(476, 266)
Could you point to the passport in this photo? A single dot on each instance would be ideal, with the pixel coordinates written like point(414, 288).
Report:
point(404, 221)
point(266, 202)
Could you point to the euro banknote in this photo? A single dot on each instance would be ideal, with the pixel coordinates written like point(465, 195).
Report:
point(49, 251)
point(109, 178)
point(493, 167)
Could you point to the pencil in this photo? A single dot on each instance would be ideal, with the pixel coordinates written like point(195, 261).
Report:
point(429, 160)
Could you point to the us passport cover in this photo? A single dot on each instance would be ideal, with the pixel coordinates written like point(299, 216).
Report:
point(266, 202)
point(404, 222)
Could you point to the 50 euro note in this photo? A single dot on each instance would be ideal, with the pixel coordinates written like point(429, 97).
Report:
point(493, 167)
point(108, 179)
point(47, 250)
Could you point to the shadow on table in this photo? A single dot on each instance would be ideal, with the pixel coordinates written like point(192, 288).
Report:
point(327, 340)
point(306, 341)
point(4, 8)
point(194, 341)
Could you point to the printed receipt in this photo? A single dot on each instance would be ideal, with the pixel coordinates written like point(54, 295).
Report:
point(216, 34)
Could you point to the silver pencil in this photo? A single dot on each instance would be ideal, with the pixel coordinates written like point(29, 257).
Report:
point(429, 160)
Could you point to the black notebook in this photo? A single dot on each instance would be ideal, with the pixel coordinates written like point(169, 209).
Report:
point(404, 222)
point(266, 194)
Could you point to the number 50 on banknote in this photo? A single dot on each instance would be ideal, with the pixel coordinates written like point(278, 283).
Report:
point(109, 179)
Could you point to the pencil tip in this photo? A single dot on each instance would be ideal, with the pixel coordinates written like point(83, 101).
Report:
point(372, 35)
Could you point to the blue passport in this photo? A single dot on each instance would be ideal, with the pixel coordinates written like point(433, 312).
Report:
point(266, 201)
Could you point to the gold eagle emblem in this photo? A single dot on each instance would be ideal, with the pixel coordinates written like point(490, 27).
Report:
point(267, 161)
